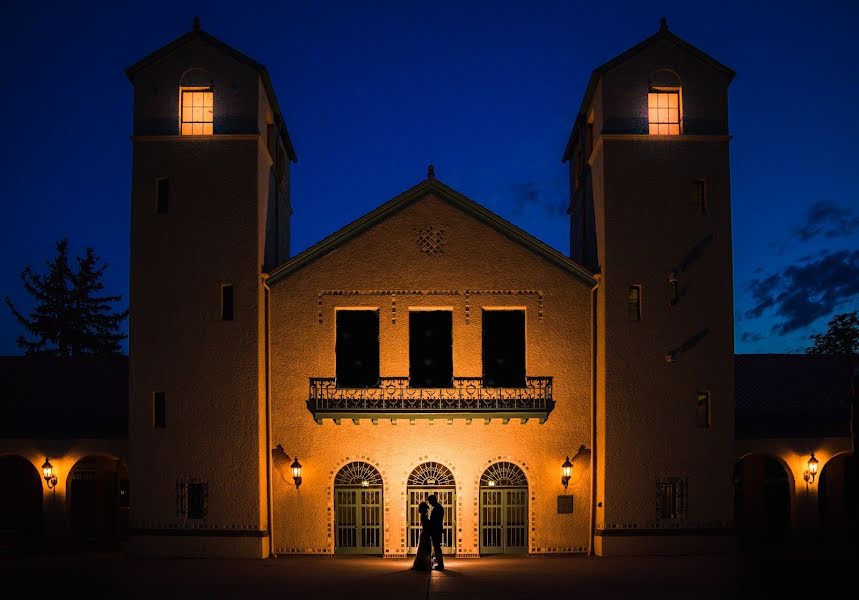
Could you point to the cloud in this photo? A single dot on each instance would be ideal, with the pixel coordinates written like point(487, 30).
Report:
point(749, 337)
point(829, 220)
point(802, 293)
point(530, 199)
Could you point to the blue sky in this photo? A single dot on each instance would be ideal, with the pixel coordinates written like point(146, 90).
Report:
point(487, 91)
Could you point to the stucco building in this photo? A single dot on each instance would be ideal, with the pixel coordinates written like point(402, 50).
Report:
point(554, 403)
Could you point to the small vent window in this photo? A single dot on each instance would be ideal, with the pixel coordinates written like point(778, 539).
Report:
point(702, 411)
point(227, 302)
point(159, 410)
point(633, 310)
point(671, 498)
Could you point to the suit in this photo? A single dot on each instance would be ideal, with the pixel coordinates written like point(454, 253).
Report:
point(436, 522)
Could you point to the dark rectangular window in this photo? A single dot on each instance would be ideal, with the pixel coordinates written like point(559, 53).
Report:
point(633, 311)
point(504, 348)
point(198, 497)
point(702, 413)
point(227, 302)
point(357, 348)
point(701, 196)
point(431, 349)
point(162, 195)
point(671, 498)
point(159, 410)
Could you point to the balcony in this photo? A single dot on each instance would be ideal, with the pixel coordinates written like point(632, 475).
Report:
point(467, 399)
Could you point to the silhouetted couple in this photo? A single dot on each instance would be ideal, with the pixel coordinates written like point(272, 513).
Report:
point(432, 528)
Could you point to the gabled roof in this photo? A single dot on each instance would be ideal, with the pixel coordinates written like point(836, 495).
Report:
point(198, 34)
point(662, 35)
point(64, 398)
point(792, 395)
point(447, 194)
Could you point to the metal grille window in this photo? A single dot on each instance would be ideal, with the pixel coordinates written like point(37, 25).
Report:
point(663, 112)
point(197, 111)
point(192, 499)
point(671, 498)
point(633, 311)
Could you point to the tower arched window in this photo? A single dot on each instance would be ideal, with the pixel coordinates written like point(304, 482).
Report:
point(665, 103)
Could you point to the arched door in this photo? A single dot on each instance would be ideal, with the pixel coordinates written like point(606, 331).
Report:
point(837, 500)
point(431, 478)
point(761, 502)
point(20, 505)
point(358, 509)
point(503, 510)
point(97, 502)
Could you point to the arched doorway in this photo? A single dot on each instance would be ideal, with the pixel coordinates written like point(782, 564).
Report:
point(762, 489)
point(358, 509)
point(837, 501)
point(98, 503)
point(20, 505)
point(431, 478)
point(503, 510)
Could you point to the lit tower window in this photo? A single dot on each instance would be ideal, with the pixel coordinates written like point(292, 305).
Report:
point(197, 111)
point(663, 112)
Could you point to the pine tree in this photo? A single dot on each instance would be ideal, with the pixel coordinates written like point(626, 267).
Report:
point(70, 318)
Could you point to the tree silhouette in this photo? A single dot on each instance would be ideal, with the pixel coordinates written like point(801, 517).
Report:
point(70, 317)
point(842, 336)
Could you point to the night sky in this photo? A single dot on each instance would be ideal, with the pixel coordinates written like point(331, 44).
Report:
point(372, 92)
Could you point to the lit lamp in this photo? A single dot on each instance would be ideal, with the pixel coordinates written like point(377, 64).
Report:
point(566, 472)
point(812, 470)
point(365, 483)
point(296, 472)
point(491, 483)
point(48, 471)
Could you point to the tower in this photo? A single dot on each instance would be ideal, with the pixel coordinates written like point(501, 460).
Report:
point(209, 211)
point(650, 212)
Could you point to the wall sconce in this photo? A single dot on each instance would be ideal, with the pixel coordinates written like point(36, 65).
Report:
point(812, 470)
point(296, 472)
point(48, 472)
point(566, 472)
point(669, 358)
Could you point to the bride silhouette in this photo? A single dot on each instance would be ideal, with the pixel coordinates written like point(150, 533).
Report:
point(423, 559)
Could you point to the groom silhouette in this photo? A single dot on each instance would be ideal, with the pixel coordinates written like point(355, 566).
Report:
point(436, 530)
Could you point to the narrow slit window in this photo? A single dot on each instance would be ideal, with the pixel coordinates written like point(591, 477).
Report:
point(159, 410)
point(663, 112)
point(431, 349)
point(162, 195)
point(702, 410)
point(701, 196)
point(633, 311)
point(504, 348)
point(197, 111)
point(357, 348)
point(227, 302)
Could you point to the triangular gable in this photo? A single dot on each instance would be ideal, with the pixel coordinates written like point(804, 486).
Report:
point(447, 194)
point(662, 35)
point(199, 34)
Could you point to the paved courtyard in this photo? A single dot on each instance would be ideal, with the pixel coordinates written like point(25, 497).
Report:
point(734, 576)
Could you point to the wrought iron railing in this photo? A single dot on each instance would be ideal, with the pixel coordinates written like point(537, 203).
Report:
point(467, 395)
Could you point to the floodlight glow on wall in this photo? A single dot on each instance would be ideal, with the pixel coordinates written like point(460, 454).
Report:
point(810, 474)
point(566, 472)
point(48, 472)
point(296, 472)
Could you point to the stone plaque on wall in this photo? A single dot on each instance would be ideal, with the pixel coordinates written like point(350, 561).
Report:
point(565, 505)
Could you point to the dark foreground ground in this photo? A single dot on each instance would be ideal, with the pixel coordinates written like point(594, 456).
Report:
point(810, 575)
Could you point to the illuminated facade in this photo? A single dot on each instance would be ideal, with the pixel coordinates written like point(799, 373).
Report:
point(307, 404)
